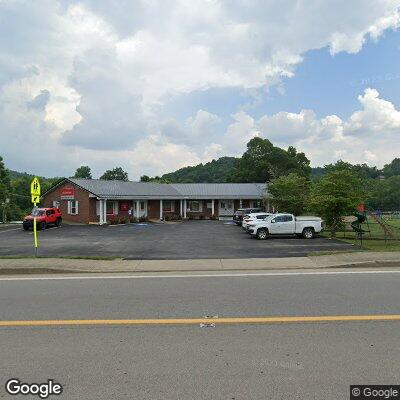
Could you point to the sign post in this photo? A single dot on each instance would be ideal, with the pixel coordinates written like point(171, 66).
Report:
point(35, 195)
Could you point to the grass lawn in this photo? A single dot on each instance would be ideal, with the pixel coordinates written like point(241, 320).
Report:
point(374, 240)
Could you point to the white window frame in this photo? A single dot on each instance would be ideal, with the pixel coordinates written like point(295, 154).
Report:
point(56, 204)
point(189, 206)
point(73, 207)
point(115, 207)
point(171, 204)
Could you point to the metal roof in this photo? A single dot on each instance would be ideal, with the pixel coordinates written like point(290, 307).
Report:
point(121, 189)
point(148, 190)
point(221, 190)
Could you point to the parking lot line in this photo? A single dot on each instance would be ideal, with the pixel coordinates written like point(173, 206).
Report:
point(9, 230)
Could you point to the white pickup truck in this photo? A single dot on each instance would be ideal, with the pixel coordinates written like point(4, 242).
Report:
point(286, 224)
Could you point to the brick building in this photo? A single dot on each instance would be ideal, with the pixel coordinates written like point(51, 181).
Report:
point(99, 201)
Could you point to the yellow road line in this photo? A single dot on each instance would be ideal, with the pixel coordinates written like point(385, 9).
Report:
point(192, 321)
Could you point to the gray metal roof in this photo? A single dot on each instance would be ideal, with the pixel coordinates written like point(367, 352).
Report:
point(148, 190)
point(120, 189)
point(220, 190)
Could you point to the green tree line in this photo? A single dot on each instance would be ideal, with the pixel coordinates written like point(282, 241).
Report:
point(293, 185)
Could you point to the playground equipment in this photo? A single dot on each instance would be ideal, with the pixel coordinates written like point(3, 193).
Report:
point(356, 225)
point(362, 216)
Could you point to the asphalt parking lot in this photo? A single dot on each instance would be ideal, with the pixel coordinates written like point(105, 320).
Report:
point(186, 240)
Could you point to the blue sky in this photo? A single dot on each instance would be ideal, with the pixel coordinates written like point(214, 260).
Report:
point(325, 83)
point(155, 86)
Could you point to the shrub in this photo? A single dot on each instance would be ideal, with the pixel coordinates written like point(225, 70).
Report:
point(143, 219)
point(213, 217)
point(122, 220)
point(167, 217)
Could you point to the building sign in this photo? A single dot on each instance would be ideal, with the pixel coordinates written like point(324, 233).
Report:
point(124, 205)
point(67, 194)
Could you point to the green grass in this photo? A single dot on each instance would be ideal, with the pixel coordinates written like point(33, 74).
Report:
point(374, 240)
point(61, 257)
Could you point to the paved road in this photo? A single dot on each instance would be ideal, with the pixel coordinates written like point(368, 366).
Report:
point(188, 240)
point(237, 361)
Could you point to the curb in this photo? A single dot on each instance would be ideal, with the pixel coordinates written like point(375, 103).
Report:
point(34, 268)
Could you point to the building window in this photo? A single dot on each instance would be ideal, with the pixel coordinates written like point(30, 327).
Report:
point(194, 206)
point(168, 206)
point(112, 207)
point(56, 204)
point(73, 207)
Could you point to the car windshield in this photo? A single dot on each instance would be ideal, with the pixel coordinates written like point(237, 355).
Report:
point(39, 213)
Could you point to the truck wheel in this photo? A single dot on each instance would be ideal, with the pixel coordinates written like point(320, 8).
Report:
point(308, 233)
point(262, 234)
point(26, 227)
point(58, 222)
point(42, 226)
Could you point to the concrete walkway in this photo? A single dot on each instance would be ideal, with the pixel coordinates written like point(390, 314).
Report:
point(361, 259)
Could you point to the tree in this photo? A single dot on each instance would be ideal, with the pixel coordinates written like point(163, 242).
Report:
point(116, 174)
point(336, 195)
point(83, 172)
point(263, 162)
point(5, 189)
point(363, 171)
point(289, 193)
point(145, 178)
point(385, 194)
point(215, 171)
point(392, 169)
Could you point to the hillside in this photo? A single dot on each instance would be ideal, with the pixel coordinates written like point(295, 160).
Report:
point(216, 171)
point(17, 175)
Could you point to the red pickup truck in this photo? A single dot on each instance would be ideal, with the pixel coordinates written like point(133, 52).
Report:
point(44, 217)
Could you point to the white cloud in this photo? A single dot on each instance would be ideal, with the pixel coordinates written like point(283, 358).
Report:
point(374, 130)
point(107, 71)
point(377, 116)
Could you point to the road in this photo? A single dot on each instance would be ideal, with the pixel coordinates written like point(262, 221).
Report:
point(148, 358)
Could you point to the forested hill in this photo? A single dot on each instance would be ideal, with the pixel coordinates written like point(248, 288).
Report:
point(215, 171)
point(17, 175)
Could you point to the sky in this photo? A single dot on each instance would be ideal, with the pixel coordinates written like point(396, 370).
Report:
point(153, 86)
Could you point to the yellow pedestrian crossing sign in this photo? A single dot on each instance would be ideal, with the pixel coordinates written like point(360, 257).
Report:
point(35, 190)
point(35, 196)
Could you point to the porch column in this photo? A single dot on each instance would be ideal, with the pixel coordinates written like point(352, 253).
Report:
point(161, 215)
point(104, 211)
point(101, 212)
point(181, 207)
point(212, 207)
point(184, 208)
point(240, 203)
point(137, 209)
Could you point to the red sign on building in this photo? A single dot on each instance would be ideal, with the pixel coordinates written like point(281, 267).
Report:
point(125, 206)
point(67, 194)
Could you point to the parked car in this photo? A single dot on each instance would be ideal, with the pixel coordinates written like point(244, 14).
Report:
point(253, 217)
point(238, 215)
point(44, 217)
point(286, 224)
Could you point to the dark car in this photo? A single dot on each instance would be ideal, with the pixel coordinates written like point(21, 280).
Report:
point(44, 217)
point(238, 216)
